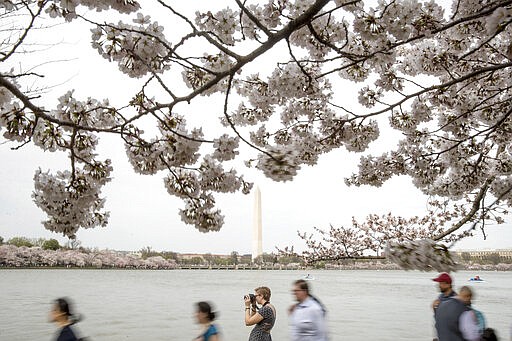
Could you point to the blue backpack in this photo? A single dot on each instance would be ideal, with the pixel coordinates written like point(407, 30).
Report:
point(480, 320)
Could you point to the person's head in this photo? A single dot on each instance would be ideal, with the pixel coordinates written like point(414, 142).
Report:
point(465, 295)
point(262, 294)
point(445, 282)
point(204, 313)
point(61, 311)
point(300, 290)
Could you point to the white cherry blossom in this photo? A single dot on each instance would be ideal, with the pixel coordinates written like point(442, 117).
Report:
point(438, 75)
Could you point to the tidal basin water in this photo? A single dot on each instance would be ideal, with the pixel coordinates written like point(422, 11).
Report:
point(159, 305)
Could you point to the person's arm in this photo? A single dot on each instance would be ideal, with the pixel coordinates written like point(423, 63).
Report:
point(436, 303)
point(252, 317)
point(320, 324)
point(468, 326)
point(214, 337)
point(292, 308)
point(255, 318)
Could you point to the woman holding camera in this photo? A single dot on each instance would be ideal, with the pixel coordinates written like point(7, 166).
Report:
point(263, 317)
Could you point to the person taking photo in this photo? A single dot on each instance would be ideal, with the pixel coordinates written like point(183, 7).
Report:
point(263, 317)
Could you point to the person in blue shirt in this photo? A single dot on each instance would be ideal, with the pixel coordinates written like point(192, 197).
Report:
point(205, 317)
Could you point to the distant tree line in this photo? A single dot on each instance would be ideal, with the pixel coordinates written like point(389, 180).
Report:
point(45, 244)
point(23, 251)
point(234, 258)
point(12, 256)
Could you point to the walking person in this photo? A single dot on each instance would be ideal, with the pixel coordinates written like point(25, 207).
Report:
point(444, 281)
point(455, 321)
point(445, 287)
point(466, 295)
point(307, 316)
point(263, 317)
point(205, 317)
point(62, 315)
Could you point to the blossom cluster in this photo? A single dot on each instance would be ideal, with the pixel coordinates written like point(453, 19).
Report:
point(423, 255)
point(72, 200)
point(137, 49)
point(67, 8)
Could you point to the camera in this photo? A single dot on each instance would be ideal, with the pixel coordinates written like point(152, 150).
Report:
point(251, 297)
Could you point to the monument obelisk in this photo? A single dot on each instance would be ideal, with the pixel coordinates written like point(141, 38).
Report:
point(257, 249)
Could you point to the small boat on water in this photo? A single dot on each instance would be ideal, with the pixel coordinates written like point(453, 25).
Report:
point(476, 279)
point(308, 277)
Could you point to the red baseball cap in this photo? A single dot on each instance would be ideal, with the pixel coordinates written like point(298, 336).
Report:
point(444, 277)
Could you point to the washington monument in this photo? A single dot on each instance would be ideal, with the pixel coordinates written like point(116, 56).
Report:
point(257, 249)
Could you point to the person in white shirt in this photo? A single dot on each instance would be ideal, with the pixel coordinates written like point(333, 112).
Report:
point(307, 316)
point(455, 321)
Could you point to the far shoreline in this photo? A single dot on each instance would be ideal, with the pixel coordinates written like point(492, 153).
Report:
point(248, 268)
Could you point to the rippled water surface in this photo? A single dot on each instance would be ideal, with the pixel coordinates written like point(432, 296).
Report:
point(158, 305)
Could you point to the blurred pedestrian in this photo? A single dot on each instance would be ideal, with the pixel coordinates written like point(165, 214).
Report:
point(455, 321)
point(263, 317)
point(62, 315)
point(307, 316)
point(467, 295)
point(445, 287)
point(205, 317)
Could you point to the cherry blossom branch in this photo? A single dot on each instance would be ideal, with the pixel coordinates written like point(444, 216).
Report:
point(21, 39)
point(253, 18)
point(274, 39)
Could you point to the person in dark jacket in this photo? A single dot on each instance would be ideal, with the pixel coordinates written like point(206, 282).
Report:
point(455, 321)
point(61, 314)
point(445, 287)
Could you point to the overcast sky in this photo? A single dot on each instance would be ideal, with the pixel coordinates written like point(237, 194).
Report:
point(143, 214)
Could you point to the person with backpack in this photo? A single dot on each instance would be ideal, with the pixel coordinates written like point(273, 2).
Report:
point(466, 295)
point(455, 321)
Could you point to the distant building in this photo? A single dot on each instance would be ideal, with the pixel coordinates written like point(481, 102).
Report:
point(190, 255)
point(201, 255)
point(481, 254)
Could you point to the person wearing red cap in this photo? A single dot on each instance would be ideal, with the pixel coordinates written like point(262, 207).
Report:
point(445, 287)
